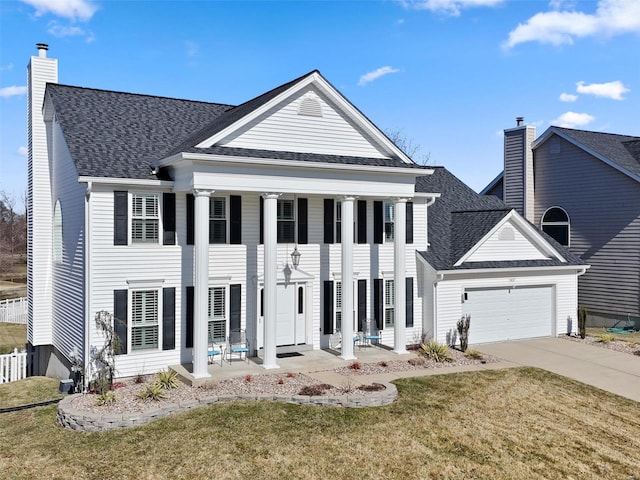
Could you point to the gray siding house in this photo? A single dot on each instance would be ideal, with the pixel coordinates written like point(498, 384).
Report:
point(583, 189)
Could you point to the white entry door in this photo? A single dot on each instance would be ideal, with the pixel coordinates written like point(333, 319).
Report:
point(509, 314)
point(286, 316)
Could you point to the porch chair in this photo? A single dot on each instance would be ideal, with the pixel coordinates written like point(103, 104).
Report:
point(370, 335)
point(238, 345)
point(214, 351)
point(335, 340)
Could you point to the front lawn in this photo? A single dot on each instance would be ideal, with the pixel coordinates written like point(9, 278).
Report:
point(12, 335)
point(506, 424)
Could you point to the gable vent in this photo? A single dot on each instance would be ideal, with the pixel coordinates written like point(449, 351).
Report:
point(506, 234)
point(310, 107)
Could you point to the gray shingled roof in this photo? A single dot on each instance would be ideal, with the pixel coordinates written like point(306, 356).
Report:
point(461, 217)
point(116, 134)
point(624, 150)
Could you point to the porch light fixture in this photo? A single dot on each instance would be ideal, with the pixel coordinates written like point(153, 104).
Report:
point(295, 257)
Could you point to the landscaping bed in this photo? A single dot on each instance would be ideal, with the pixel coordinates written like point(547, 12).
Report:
point(631, 346)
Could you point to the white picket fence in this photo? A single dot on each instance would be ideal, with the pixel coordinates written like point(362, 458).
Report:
point(13, 310)
point(14, 366)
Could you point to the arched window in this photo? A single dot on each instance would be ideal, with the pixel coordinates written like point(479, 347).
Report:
point(57, 233)
point(555, 223)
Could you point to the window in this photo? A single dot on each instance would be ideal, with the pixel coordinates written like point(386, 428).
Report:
point(389, 220)
point(338, 310)
point(389, 303)
point(144, 218)
point(555, 223)
point(338, 222)
point(300, 300)
point(57, 233)
point(144, 319)
point(217, 314)
point(286, 221)
point(217, 220)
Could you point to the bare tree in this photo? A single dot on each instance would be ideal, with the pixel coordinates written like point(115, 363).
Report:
point(13, 233)
point(408, 146)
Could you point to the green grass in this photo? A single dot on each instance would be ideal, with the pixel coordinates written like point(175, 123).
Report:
point(625, 337)
point(30, 390)
point(506, 424)
point(12, 335)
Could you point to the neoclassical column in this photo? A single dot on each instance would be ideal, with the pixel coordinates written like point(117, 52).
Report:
point(270, 278)
point(399, 275)
point(347, 278)
point(201, 284)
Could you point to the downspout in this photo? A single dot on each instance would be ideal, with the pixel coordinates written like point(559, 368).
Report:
point(87, 282)
point(439, 277)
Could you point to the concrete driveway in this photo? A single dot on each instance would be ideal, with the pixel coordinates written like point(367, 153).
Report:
point(609, 370)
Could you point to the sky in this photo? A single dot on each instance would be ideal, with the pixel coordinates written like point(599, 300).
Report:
point(447, 75)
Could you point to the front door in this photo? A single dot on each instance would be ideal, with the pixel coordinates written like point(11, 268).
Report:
point(286, 316)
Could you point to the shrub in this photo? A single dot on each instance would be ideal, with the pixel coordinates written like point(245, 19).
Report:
point(106, 398)
point(281, 381)
point(167, 379)
point(314, 390)
point(637, 352)
point(355, 365)
point(606, 338)
point(383, 364)
point(139, 378)
point(153, 391)
point(474, 354)
point(582, 321)
point(117, 385)
point(463, 331)
point(435, 351)
point(290, 375)
point(248, 378)
point(374, 387)
point(417, 361)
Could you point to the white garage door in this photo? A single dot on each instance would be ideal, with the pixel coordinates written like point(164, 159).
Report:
point(509, 314)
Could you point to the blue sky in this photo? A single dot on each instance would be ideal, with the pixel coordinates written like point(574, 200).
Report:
point(449, 75)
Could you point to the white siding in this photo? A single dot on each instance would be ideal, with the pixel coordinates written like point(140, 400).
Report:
point(507, 243)
point(283, 129)
point(39, 206)
point(449, 294)
point(68, 275)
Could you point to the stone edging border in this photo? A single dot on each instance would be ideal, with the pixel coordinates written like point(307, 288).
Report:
point(81, 420)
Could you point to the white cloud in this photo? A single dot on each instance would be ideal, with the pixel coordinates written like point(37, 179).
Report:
point(74, 10)
point(12, 91)
point(6, 67)
point(573, 120)
point(380, 72)
point(568, 97)
point(58, 30)
point(448, 7)
point(24, 151)
point(613, 90)
point(612, 17)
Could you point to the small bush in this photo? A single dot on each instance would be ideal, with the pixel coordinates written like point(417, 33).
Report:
point(637, 353)
point(355, 365)
point(314, 390)
point(473, 354)
point(117, 385)
point(248, 378)
point(153, 391)
point(139, 378)
point(606, 338)
point(290, 375)
point(435, 351)
point(106, 398)
point(374, 387)
point(167, 379)
point(417, 361)
point(383, 364)
point(281, 381)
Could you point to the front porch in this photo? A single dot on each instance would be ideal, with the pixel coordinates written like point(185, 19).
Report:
point(307, 361)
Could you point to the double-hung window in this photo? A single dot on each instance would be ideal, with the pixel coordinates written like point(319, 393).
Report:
point(389, 303)
point(286, 221)
point(389, 221)
point(144, 218)
point(217, 314)
point(144, 319)
point(217, 220)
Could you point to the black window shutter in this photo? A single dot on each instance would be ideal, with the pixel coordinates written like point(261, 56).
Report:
point(261, 219)
point(327, 294)
point(235, 221)
point(378, 302)
point(120, 218)
point(303, 221)
point(120, 318)
point(362, 221)
point(362, 304)
point(378, 222)
point(169, 218)
point(191, 213)
point(235, 306)
point(409, 301)
point(189, 322)
point(168, 318)
point(329, 211)
point(409, 227)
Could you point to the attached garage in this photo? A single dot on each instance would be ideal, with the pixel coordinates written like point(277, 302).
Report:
point(499, 314)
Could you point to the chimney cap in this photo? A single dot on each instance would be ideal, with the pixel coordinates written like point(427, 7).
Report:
point(519, 121)
point(42, 49)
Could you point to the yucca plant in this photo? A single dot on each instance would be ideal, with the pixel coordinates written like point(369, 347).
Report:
point(106, 398)
point(168, 379)
point(154, 391)
point(606, 338)
point(473, 354)
point(435, 351)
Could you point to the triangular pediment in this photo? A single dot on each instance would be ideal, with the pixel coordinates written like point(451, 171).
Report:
point(512, 239)
point(309, 116)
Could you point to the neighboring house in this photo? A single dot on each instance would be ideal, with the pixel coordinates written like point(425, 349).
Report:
point(184, 218)
point(487, 261)
point(583, 189)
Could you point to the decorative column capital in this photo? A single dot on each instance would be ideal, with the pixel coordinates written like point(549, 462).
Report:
point(203, 192)
point(270, 195)
point(347, 198)
point(400, 199)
